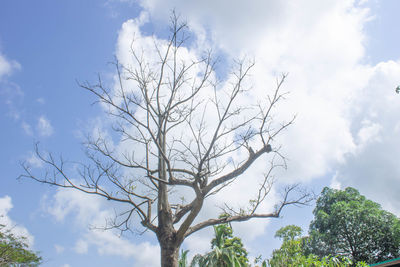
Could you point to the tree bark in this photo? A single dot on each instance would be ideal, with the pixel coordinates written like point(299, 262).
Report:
point(169, 249)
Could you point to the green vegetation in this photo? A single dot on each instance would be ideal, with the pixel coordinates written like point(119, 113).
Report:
point(227, 250)
point(293, 252)
point(14, 250)
point(348, 224)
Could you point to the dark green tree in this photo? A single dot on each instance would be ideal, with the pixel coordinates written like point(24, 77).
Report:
point(348, 224)
point(14, 250)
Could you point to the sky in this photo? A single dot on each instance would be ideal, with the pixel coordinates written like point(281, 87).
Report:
point(343, 62)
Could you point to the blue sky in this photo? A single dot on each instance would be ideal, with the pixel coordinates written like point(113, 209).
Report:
point(344, 65)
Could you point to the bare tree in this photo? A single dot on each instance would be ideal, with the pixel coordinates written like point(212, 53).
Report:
point(162, 113)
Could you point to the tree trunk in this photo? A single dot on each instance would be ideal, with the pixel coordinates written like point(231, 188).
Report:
point(166, 233)
point(169, 254)
point(167, 239)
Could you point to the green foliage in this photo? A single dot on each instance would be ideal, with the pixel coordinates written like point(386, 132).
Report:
point(182, 262)
point(348, 224)
point(227, 250)
point(260, 260)
point(224, 239)
point(398, 89)
point(289, 232)
point(223, 257)
point(293, 253)
point(14, 250)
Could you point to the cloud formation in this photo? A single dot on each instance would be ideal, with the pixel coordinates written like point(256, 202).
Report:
point(18, 230)
point(59, 249)
point(44, 127)
point(322, 49)
point(373, 168)
point(14, 100)
point(83, 210)
point(7, 66)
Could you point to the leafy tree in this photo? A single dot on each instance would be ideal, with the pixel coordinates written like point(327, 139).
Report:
point(227, 250)
point(181, 131)
point(348, 224)
point(14, 250)
point(293, 252)
point(289, 232)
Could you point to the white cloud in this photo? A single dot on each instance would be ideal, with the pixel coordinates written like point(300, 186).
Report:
point(59, 249)
point(44, 127)
point(7, 66)
point(85, 210)
point(27, 128)
point(34, 161)
point(373, 168)
point(13, 97)
point(369, 132)
point(199, 243)
point(16, 229)
point(81, 246)
point(107, 243)
point(41, 100)
point(335, 184)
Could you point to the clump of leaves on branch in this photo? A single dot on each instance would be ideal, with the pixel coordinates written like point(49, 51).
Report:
point(14, 250)
point(180, 129)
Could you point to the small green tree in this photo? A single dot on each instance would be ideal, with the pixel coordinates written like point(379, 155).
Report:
point(227, 250)
point(291, 250)
point(348, 224)
point(14, 250)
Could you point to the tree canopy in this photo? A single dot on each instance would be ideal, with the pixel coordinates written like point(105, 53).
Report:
point(348, 224)
point(14, 250)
